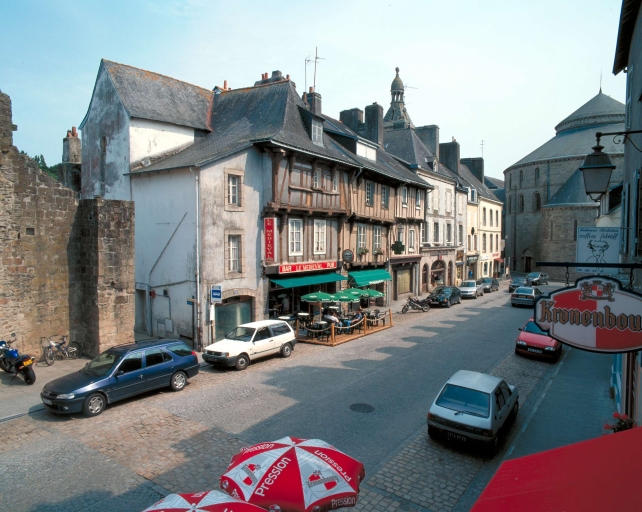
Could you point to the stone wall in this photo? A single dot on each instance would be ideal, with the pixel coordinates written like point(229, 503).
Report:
point(65, 268)
point(101, 261)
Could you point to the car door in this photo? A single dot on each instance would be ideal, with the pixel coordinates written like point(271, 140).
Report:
point(262, 342)
point(129, 377)
point(500, 409)
point(159, 367)
point(281, 334)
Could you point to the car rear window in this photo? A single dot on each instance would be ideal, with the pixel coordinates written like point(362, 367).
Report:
point(180, 349)
point(279, 329)
point(524, 291)
point(459, 398)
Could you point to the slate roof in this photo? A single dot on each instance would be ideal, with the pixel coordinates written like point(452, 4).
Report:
point(274, 113)
point(576, 135)
point(572, 192)
point(482, 190)
point(406, 144)
point(493, 183)
point(148, 95)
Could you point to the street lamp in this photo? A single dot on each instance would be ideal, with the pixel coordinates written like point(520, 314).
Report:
point(597, 167)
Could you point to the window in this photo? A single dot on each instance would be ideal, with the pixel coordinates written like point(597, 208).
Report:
point(295, 237)
point(361, 236)
point(233, 195)
point(473, 195)
point(404, 196)
point(490, 241)
point(316, 179)
point(449, 200)
point(335, 181)
point(232, 188)
point(497, 242)
point(376, 237)
point(279, 329)
point(319, 236)
point(484, 217)
point(131, 363)
point(537, 200)
point(575, 230)
point(435, 198)
point(521, 177)
point(449, 233)
point(411, 240)
point(497, 218)
point(536, 175)
point(385, 196)
point(521, 203)
point(262, 334)
point(366, 151)
point(460, 238)
point(424, 232)
point(369, 193)
point(180, 349)
point(234, 253)
point(155, 356)
point(417, 198)
point(435, 232)
point(317, 132)
point(400, 234)
point(484, 242)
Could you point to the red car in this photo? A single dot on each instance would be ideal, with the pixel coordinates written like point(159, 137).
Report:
point(532, 341)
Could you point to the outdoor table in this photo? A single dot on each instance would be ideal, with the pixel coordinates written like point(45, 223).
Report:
point(287, 318)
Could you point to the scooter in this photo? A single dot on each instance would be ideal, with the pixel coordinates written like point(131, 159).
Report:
point(11, 361)
point(416, 304)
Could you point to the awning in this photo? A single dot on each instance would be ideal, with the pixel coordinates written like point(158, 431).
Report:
point(293, 282)
point(598, 474)
point(366, 277)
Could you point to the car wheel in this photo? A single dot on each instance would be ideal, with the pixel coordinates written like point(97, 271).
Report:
point(242, 362)
point(286, 350)
point(178, 381)
point(449, 303)
point(94, 404)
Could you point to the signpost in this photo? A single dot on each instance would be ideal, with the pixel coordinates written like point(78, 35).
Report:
point(598, 245)
point(216, 294)
point(596, 315)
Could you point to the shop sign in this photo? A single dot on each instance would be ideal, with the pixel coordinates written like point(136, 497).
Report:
point(596, 314)
point(269, 229)
point(307, 267)
point(460, 255)
point(597, 245)
point(348, 256)
point(471, 259)
point(216, 294)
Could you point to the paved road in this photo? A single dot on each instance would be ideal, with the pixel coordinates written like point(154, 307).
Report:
point(142, 449)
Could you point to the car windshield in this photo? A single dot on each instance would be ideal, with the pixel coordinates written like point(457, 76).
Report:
point(524, 291)
point(470, 401)
point(533, 328)
point(241, 334)
point(468, 284)
point(102, 364)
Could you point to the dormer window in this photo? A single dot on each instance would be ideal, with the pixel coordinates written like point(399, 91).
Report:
point(366, 151)
point(317, 132)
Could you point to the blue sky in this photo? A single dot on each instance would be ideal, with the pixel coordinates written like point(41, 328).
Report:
point(505, 72)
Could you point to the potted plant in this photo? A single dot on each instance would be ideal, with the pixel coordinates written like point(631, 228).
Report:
point(378, 251)
point(623, 422)
point(398, 247)
point(362, 251)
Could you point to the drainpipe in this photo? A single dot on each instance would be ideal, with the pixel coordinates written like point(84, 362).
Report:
point(197, 334)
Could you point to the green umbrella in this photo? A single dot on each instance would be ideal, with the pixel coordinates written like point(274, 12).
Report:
point(318, 297)
point(342, 296)
point(373, 294)
point(358, 292)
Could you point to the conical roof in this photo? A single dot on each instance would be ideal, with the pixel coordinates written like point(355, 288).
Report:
point(601, 109)
point(397, 84)
point(572, 192)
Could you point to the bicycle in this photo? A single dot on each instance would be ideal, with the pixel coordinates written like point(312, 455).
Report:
point(53, 350)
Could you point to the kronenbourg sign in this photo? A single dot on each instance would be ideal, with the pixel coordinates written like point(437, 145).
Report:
point(596, 314)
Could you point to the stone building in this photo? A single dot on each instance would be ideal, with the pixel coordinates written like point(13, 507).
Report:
point(545, 198)
point(66, 266)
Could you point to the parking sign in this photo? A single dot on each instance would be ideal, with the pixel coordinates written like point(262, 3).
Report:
point(216, 294)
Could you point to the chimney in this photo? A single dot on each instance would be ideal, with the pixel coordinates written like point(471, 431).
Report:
point(374, 123)
point(429, 135)
point(6, 125)
point(476, 166)
point(449, 155)
point(314, 101)
point(352, 118)
point(71, 148)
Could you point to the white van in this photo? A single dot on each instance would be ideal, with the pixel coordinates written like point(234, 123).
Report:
point(251, 341)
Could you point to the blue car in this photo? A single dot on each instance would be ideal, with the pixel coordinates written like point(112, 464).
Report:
point(121, 372)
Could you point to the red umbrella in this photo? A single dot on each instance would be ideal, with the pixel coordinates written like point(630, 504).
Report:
point(210, 501)
point(294, 475)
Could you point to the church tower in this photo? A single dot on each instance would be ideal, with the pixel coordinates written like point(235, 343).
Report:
point(397, 117)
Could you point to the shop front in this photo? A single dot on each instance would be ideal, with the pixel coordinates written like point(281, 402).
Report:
point(498, 262)
point(290, 282)
point(471, 266)
point(459, 268)
point(404, 272)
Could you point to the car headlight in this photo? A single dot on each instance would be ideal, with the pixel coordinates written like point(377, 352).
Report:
point(66, 396)
point(521, 343)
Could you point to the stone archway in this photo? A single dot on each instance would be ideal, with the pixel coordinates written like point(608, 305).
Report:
point(437, 273)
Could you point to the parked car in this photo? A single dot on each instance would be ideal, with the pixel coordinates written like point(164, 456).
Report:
point(471, 289)
point(516, 283)
point(249, 342)
point(121, 372)
point(445, 296)
point(489, 284)
point(532, 341)
point(525, 296)
point(536, 279)
point(473, 406)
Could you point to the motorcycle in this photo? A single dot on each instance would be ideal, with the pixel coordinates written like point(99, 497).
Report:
point(416, 304)
point(11, 361)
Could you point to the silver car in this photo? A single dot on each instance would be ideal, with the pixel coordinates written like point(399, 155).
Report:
point(473, 406)
point(471, 289)
point(525, 296)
